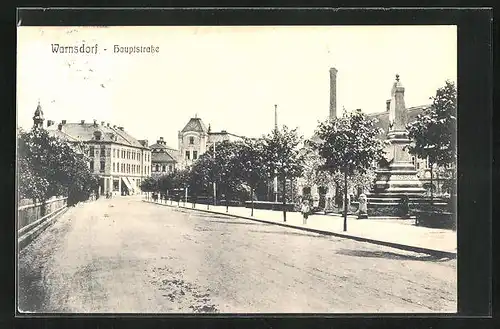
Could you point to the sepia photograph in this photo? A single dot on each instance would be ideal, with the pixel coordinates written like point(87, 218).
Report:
point(236, 169)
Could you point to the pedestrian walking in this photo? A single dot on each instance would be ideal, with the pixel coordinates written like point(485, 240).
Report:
point(305, 209)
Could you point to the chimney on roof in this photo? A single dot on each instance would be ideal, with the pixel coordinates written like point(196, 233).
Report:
point(388, 105)
point(102, 123)
point(333, 93)
point(63, 122)
point(60, 126)
point(107, 124)
point(82, 122)
point(49, 123)
point(121, 128)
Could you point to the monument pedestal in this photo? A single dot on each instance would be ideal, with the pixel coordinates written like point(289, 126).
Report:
point(398, 178)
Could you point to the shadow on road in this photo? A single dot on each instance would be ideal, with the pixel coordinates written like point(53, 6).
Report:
point(228, 222)
point(312, 235)
point(389, 255)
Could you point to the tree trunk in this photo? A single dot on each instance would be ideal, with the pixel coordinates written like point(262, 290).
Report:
point(345, 200)
point(227, 201)
point(284, 199)
point(208, 199)
point(251, 199)
point(432, 184)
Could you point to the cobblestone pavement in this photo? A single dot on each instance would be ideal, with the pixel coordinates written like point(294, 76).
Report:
point(123, 255)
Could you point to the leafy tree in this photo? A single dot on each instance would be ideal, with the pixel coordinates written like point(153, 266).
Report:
point(433, 133)
point(349, 144)
point(252, 165)
point(181, 181)
point(165, 183)
point(199, 177)
point(282, 156)
point(224, 168)
point(49, 166)
point(149, 184)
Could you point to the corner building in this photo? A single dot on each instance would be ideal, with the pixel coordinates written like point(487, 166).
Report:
point(119, 160)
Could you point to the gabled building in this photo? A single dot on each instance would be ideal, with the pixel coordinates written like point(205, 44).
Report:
point(119, 160)
point(164, 159)
point(195, 139)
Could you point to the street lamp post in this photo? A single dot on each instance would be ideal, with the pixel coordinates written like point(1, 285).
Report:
point(214, 185)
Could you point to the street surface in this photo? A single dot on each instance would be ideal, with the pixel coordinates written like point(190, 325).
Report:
point(123, 255)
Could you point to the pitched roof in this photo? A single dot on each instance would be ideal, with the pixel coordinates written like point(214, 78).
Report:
point(161, 146)
point(86, 132)
point(195, 124)
point(62, 135)
point(162, 157)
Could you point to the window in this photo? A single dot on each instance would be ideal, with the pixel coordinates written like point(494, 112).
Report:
point(195, 155)
point(114, 153)
point(187, 155)
point(102, 166)
point(157, 168)
point(170, 168)
point(91, 151)
point(114, 167)
point(164, 168)
point(191, 140)
point(91, 165)
point(103, 151)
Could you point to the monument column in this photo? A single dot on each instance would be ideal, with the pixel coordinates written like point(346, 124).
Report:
point(399, 177)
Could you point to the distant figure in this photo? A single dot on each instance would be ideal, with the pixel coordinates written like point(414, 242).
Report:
point(305, 209)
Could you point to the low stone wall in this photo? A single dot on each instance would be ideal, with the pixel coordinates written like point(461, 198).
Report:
point(28, 213)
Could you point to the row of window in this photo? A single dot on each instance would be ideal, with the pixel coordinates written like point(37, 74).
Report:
point(101, 169)
point(121, 167)
point(163, 168)
point(128, 168)
point(188, 155)
point(123, 154)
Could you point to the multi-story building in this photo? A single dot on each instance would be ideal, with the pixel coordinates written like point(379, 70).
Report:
point(193, 141)
point(119, 160)
point(164, 159)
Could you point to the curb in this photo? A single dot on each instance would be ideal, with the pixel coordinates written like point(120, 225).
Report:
point(37, 227)
point(431, 252)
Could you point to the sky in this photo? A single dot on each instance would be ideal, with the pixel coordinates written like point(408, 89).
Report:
point(230, 77)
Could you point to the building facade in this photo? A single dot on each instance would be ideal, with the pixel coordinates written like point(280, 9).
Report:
point(164, 159)
point(195, 139)
point(119, 160)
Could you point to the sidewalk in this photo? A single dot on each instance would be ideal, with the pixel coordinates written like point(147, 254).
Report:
point(399, 234)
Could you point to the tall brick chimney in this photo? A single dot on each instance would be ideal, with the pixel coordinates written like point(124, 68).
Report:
point(333, 93)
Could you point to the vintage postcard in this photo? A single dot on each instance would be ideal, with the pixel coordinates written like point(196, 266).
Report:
point(237, 169)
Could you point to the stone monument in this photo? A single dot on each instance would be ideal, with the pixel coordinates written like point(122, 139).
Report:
point(398, 177)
